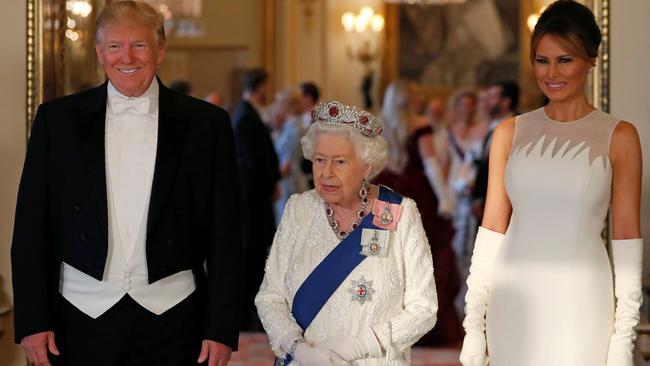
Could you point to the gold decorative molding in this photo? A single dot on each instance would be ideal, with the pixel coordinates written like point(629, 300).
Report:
point(45, 32)
point(600, 75)
point(34, 70)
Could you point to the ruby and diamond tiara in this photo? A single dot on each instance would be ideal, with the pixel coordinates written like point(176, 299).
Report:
point(336, 113)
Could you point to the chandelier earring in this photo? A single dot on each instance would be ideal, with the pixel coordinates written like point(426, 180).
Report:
point(364, 191)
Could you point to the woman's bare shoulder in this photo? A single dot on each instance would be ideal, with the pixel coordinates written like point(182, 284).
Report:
point(505, 130)
point(625, 141)
point(625, 131)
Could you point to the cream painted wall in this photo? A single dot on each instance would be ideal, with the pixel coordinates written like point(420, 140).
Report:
point(232, 40)
point(630, 79)
point(314, 48)
point(230, 23)
point(12, 151)
point(300, 42)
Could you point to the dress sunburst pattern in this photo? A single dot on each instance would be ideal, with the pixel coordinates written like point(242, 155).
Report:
point(592, 132)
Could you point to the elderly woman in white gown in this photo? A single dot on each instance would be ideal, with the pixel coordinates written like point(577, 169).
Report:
point(349, 279)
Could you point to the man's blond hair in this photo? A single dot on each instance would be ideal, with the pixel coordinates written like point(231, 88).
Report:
point(130, 12)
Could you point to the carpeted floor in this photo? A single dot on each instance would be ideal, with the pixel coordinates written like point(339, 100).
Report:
point(254, 350)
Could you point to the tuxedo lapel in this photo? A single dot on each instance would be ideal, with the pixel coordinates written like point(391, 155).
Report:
point(92, 122)
point(171, 140)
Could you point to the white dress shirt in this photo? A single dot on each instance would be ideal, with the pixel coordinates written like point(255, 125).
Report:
point(131, 136)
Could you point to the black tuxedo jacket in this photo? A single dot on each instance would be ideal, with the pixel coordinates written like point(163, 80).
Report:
point(259, 173)
point(258, 161)
point(193, 217)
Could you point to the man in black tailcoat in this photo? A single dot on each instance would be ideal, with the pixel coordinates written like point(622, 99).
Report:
point(127, 235)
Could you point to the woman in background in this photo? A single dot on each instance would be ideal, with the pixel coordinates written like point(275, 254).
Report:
point(287, 131)
point(412, 169)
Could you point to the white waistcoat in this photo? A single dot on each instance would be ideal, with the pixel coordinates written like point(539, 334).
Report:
point(130, 140)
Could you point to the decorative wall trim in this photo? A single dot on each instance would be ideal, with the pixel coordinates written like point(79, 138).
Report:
point(600, 87)
point(45, 20)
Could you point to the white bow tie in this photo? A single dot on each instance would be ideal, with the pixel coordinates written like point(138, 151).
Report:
point(120, 104)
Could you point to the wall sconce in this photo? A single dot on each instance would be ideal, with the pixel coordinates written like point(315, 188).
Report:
point(183, 18)
point(361, 27)
point(532, 19)
point(79, 9)
point(361, 30)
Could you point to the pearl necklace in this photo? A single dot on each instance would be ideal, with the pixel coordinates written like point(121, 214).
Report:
point(361, 213)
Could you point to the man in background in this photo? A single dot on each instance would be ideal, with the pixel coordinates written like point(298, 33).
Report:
point(260, 173)
point(310, 95)
point(501, 102)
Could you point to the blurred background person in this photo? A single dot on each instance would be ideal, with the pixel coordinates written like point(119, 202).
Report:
point(501, 103)
point(181, 86)
point(259, 171)
point(465, 137)
point(410, 158)
point(483, 104)
point(310, 94)
point(287, 131)
point(436, 116)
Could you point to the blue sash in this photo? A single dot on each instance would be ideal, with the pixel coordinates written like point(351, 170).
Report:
point(328, 276)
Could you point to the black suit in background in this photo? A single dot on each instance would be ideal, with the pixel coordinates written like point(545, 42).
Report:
point(259, 171)
point(193, 216)
point(479, 192)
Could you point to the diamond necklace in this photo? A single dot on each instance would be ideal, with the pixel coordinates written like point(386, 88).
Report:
point(361, 213)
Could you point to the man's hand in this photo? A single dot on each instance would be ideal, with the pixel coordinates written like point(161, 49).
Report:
point(215, 353)
point(37, 345)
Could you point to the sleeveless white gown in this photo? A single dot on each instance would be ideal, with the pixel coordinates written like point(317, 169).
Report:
point(552, 299)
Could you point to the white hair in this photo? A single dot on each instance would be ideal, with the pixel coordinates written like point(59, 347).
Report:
point(372, 151)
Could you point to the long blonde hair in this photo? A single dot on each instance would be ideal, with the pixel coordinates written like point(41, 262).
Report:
point(395, 115)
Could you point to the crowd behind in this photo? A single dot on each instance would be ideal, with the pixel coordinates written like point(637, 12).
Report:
point(437, 154)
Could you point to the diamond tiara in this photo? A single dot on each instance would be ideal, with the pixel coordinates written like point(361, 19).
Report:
point(334, 112)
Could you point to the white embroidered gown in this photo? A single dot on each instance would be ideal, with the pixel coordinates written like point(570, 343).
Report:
point(401, 308)
point(552, 301)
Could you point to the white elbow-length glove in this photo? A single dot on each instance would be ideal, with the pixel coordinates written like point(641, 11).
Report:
point(627, 257)
point(361, 346)
point(479, 282)
point(433, 172)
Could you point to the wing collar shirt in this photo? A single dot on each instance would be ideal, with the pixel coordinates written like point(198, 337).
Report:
point(131, 135)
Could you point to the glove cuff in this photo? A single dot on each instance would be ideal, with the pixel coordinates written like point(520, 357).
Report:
point(288, 343)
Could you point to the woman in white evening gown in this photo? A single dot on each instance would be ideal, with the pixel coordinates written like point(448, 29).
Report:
point(544, 293)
